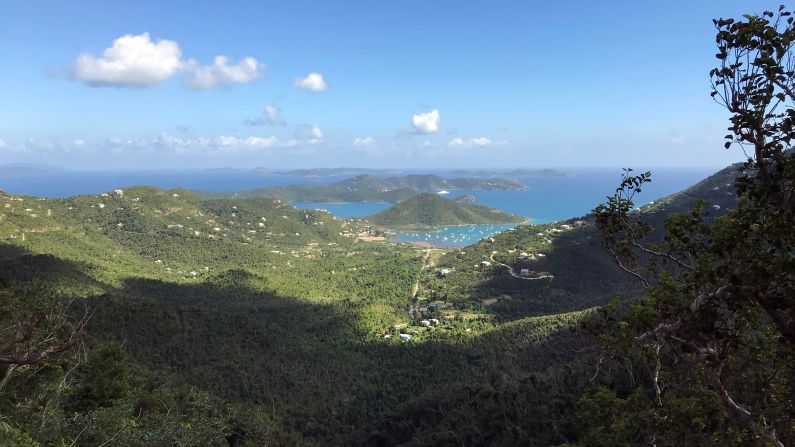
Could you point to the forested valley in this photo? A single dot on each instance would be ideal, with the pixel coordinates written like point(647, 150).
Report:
point(143, 316)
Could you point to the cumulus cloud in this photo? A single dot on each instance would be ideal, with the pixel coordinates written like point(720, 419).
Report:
point(132, 61)
point(364, 142)
point(271, 115)
point(310, 134)
point(427, 122)
point(313, 82)
point(220, 72)
point(139, 61)
point(475, 142)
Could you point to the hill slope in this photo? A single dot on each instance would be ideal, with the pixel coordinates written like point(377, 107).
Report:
point(427, 209)
point(581, 273)
point(256, 303)
point(286, 317)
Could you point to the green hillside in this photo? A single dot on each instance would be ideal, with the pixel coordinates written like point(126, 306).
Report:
point(265, 313)
point(427, 210)
point(251, 313)
point(368, 188)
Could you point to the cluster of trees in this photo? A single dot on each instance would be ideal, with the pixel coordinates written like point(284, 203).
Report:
point(715, 336)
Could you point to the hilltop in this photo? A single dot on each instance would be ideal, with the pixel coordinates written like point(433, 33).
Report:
point(427, 210)
point(369, 188)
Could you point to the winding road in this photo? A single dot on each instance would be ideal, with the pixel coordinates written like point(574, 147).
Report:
point(548, 276)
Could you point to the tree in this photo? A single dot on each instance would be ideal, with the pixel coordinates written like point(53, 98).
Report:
point(35, 325)
point(718, 323)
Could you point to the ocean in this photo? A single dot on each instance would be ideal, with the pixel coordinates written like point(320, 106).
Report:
point(547, 199)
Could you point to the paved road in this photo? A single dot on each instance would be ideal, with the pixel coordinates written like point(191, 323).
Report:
point(519, 276)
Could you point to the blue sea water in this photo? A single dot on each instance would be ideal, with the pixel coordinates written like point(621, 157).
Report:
point(451, 235)
point(71, 183)
point(547, 199)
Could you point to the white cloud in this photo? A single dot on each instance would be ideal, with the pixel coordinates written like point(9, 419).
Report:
point(364, 142)
point(138, 61)
point(132, 61)
point(2, 144)
point(78, 142)
point(310, 134)
point(313, 82)
point(272, 116)
point(200, 145)
point(427, 144)
point(262, 142)
point(206, 77)
point(427, 122)
point(475, 142)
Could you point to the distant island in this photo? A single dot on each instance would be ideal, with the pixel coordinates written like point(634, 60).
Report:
point(429, 210)
point(336, 172)
point(368, 188)
point(513, 173)
point(465, 198)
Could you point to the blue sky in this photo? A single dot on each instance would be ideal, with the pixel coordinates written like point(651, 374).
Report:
point(361, 83)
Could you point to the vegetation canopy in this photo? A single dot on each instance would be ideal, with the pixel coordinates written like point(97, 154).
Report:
point(717, 329)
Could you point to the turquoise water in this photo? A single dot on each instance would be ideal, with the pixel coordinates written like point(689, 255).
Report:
point(452, 236)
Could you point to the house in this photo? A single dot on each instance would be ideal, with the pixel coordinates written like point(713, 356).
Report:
point(444, 272)
point(524, 272)
point(434, 321)
point(485, 264)
point(118, 192)
point(425, 323)
point(523, 255)
point(405, 337)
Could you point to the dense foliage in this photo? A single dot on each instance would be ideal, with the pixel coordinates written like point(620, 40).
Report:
point(428, 210)
point(716, 332)
point(228, 308)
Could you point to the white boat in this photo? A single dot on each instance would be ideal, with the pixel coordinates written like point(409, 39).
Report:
point(443, 192)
